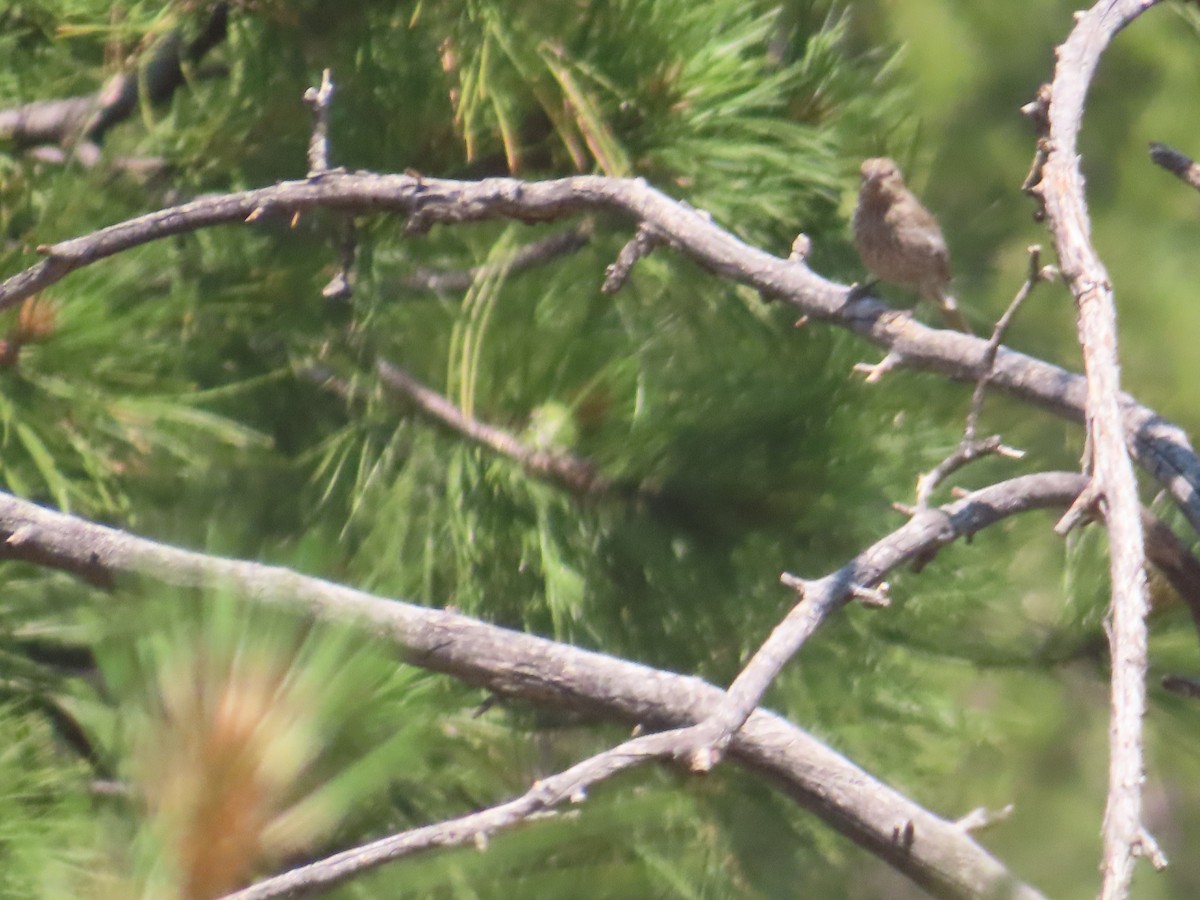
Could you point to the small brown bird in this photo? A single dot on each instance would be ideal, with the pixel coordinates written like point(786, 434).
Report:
point(899, 240)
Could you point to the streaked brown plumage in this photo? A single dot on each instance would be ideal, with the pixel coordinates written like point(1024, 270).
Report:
point(899, 240)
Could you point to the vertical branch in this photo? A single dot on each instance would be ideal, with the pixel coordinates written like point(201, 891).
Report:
point(1056, 179)
point(319, 99)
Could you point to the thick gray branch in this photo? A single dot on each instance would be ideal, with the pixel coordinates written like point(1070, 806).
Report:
point(933, 852)
point(89, 118)
point(1160, 446)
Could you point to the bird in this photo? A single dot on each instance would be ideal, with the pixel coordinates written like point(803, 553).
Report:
point(900, 241)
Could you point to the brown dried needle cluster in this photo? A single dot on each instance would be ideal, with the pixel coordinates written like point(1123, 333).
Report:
point(899, 240)
point(36, 321)
point(222, 763)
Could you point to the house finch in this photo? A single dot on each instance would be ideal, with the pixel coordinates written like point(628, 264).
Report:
point(899, 240)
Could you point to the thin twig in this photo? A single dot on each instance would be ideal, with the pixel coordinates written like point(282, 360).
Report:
point(341, 286)
point(971, 448)
point(981, 817)
point(964, 454)
point(1035, 275)
point(319, 98)
point(641, 245)
point(324, 377)
point(567, 470)
point(531, 255)
point(570, 785)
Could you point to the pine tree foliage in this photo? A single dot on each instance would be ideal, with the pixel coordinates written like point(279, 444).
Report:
point(201, 390)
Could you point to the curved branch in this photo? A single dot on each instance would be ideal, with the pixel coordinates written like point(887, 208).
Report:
point(1161, 447)
point(916, 543)
point(90, 117)
point(545, 794)
point(930, 850)
point(1059, 184)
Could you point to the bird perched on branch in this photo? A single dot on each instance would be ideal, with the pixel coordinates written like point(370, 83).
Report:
point(899, 240)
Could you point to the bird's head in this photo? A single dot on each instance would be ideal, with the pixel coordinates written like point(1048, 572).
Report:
point(881, 172)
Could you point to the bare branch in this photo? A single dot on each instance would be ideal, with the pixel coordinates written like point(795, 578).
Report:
point(936, 854)
point(1036, 274)
point(1176, 163)
point(914, 542)
point(532, 255)
point(571, 472)
point(1160, 446)
point(641, 245)
point(341, 286)
point(88, 119)
point(1083, 510)
point(324, 377)
point(319, 98)
point(547, 793)
point(1185, 687)
point(966, 453)
point(1059, 185)
point(981, 818)
point(1172, 558)
point(970, 448)
point(874, 372)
